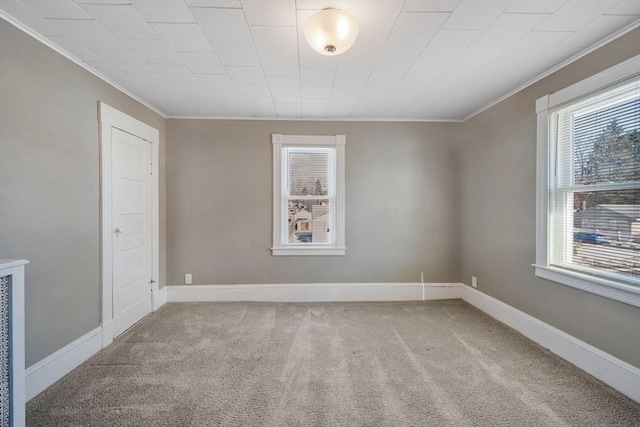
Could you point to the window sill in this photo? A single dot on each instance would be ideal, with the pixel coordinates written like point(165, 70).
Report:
point(627, 294)
point(321, 251)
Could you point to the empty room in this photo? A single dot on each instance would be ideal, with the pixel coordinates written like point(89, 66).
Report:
point(319, 213)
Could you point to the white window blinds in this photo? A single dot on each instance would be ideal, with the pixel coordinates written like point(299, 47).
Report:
point(594, 184)
point(309, 194)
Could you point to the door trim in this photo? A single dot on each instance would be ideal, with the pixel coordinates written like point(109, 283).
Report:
point(109, 117)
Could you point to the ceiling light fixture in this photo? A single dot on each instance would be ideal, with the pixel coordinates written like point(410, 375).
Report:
point(331, 31)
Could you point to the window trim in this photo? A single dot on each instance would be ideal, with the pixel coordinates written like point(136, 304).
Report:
point(614, 290)
point(337, 247)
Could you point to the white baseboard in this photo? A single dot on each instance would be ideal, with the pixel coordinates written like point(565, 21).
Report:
point(618, 374)
point(159, 297)
point(53, 367)
point(314, 292)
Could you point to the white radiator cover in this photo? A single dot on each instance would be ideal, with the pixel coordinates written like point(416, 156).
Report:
point(12, 375)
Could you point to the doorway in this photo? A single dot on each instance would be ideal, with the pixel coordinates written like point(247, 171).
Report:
point(129, 220)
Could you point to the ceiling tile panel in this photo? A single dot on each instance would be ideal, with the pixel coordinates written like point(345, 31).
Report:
point(90, 34)
point(29, 18)
point(123, 60)
point(262, 108)
point(191, 89)
point(376, 93)
point(207, 106)
point(57, 9)
point(575, 14)
point(183, 37)
point(365, 110)
point(339, 111)
point(475, 15)
point(625, 7)
point(315, 92)
point(254, 91)
point(386, 76)
point(272, 12)
point(122, 21)
point(215, 3)
point(399, 55)
point(74, 48)
point(247, 75)
point(508, 28)
point(241, 54)
point(216, 82)
point(164, 11)
point(225, 25)
point(602, 25)
point(174, 73)
point(152, 51)
point(349, 83)
point(344, 97)
point(279, 65)
point(289, 110)
point(416, 27)
point(202, 62)
point(316, 5)
point(535, 6)
point(275, 40)
point(283, 82)
point(355, 68)
point(531, 45)
point(314, 108)
point(103, 1)
point(375, 14)
point(368, 45)
point(322, 76)
point(430, 5)
point(285, 96)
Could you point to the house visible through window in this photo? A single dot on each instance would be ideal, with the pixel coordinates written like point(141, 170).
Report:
point(589, 193)
point(308, 195)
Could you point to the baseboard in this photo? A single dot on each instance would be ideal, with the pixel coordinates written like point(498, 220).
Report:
point(53, 367)
point(159, 297)
point(314, 292)
point(618, 374)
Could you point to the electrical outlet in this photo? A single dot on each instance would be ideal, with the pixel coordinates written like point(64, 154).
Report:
point(474, 281)
point(188, 279)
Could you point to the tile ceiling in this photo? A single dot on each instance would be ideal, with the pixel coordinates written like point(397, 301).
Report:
point(413, 59)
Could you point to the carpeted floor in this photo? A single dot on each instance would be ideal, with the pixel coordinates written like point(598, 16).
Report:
point(438, 363)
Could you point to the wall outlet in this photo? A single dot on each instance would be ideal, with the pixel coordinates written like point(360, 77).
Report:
point(474, 281)
point(188, 279)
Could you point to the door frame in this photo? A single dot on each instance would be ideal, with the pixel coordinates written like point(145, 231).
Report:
point(109, 117)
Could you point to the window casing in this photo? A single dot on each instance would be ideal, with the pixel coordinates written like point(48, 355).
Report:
point(308, 195)
point(588, 190)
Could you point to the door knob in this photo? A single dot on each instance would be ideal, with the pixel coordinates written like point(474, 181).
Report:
point(119, 230)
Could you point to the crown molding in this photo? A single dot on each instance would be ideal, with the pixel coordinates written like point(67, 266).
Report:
point(42, 39)
point(316, 119)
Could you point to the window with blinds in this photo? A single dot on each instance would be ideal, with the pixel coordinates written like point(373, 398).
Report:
point(593, 221)
point(308, 195)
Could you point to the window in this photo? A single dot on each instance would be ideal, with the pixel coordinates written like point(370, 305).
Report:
point(588, 200)
point(308, 195)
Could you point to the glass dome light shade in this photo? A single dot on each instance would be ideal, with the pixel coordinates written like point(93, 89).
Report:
point(331, 32)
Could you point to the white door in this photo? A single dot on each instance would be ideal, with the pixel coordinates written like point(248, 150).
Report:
point(132, 229)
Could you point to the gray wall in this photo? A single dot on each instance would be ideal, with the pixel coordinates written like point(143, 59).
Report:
point(498, 181)
point(401, 203)
point(49, 185)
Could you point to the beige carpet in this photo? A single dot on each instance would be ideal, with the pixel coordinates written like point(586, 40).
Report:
point(439, 363)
